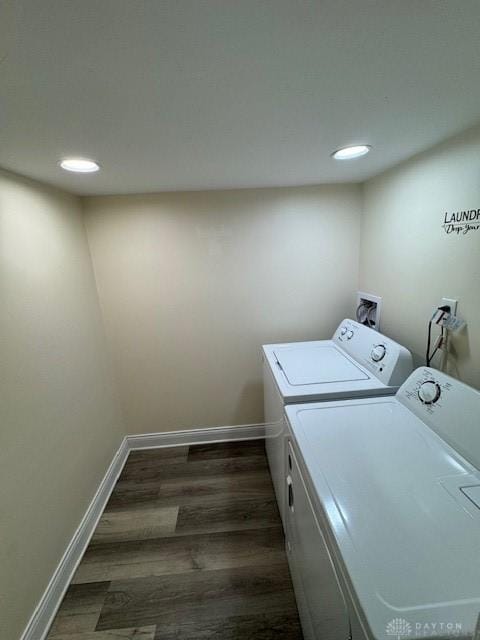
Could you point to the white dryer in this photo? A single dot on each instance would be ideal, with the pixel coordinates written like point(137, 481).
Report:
point(383, 515)
point(356, 362)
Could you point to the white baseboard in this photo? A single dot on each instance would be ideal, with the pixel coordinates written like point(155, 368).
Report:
point(196, 436)
point(39, 624)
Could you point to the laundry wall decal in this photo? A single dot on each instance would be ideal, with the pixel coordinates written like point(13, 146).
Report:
point(461, 222)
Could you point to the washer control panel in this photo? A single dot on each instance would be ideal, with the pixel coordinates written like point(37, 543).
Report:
point(379, 352)
point(387, 360)
point(449, 407)
point(430, 389)
point(345, 332)
point(429, 392)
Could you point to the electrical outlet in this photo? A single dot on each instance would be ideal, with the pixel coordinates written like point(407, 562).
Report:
point(451, 303)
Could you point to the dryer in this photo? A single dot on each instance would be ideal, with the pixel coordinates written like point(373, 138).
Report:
point(383, 513)
point(356, 362)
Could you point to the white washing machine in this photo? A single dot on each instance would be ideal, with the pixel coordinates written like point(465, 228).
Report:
point(383, 515)
point(356, 362)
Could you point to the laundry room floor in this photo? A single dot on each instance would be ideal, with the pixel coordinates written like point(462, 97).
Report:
point(190, 547)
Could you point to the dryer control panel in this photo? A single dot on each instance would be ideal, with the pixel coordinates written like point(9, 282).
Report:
point(449, 407)
point(386, 359)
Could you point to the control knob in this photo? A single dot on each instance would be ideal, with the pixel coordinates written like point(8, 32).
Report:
point(378, 352)
point(429, 392)
point(343, 331)
point(349, 334)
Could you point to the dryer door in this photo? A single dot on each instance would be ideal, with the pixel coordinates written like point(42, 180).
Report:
point(321, 605)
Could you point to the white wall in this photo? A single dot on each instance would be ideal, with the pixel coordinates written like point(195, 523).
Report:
point(407, 257)
point(59, 417)
point(192, 284)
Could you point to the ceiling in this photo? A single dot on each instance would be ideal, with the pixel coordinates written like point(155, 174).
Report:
point(208, 94)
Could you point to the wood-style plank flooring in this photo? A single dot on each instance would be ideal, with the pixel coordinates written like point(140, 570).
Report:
point(190, 547)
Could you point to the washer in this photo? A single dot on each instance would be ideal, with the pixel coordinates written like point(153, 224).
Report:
point(383, 512)
point(356, 362)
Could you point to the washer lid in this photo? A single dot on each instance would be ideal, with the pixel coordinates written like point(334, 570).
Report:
point(318, 364)
point(473, 493)
point(394, 496)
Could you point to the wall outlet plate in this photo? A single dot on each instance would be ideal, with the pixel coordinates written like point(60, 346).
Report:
point(451, 321)
point(451, 303)
point(454, 324)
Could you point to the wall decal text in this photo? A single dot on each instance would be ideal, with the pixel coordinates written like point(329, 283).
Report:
point(461, 222)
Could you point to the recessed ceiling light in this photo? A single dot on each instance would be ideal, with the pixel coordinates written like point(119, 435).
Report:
point(79, 165)
point(348, 153)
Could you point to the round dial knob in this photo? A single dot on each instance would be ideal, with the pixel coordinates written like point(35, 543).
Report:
point(429, 392)
point(343, 331)
point(378, 352)
point(349, 334)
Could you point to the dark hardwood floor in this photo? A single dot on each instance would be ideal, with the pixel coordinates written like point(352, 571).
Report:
point(190, 547)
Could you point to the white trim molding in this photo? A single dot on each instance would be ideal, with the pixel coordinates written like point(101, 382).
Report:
point(42, 618)
point(196, 436)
